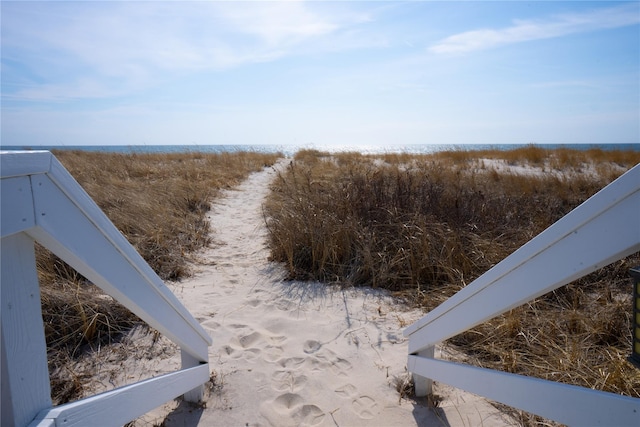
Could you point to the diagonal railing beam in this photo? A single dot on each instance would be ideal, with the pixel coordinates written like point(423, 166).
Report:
point(42, 202)
point(601, 230)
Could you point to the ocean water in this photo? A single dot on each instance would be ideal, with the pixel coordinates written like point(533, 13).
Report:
point(290, 150)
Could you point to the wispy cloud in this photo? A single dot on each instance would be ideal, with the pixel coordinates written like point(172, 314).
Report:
point(526, 30)
point(103, 48)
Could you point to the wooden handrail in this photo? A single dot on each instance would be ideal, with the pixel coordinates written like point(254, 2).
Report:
point(42, 202)
point(603, 229)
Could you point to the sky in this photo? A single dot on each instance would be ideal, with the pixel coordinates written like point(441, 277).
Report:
point(319, 72)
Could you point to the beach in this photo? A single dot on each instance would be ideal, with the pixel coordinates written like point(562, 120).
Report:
point(290, 353)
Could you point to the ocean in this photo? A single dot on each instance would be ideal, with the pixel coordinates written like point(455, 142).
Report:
point(290, 150)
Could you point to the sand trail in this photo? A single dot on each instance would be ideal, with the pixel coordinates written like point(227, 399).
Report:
point(298, 353)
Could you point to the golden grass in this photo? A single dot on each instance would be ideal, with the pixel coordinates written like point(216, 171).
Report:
point(424, 226)
point(159, 202)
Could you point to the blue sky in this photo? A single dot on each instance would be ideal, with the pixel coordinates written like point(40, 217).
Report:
point(320, 72)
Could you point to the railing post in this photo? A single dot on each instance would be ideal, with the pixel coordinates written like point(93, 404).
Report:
point(635, 339)
point(25, 376)
point(188, 361)
point(424, 386)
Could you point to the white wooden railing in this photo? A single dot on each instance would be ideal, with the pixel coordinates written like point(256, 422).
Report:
point(40, 201)
point(602, 230)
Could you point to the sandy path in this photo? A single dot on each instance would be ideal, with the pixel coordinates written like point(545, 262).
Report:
point(292, 353)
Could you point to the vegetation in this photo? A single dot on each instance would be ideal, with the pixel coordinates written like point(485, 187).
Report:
point(159, 202)
point(424, 226)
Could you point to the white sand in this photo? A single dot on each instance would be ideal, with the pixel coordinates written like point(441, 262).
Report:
point(295, 353)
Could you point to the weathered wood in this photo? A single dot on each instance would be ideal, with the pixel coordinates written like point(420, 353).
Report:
point(564, 403)
point(16, 209)
point(601, 230)
point(124, 404)
point(25, 376)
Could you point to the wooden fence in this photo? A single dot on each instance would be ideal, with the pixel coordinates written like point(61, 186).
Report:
point(602, 230)
point(42, 202)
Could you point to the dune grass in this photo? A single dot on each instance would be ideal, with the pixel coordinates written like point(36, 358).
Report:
point(424, 226)
point(159, 202)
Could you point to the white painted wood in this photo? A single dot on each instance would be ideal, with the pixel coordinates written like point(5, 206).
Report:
point(564, 403)
point(601, 230)
point(48, 205)
point(68, 185)
point(88, 241)
point(423, 386)
point(25, 376)
point(188, 361)
point(23, 163)
point(16, 207)
point(124, 404)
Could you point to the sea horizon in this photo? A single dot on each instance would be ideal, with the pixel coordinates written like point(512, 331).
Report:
point(290, 150)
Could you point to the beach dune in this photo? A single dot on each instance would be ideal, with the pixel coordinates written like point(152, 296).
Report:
point(290, 353)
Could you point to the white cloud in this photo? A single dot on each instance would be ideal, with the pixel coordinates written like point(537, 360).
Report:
point(523, 30)
point(278, 23)
point(109, 48)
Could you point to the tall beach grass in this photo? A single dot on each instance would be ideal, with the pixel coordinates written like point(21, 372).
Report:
point(424, 226)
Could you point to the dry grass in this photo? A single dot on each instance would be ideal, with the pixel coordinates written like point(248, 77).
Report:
point(424, 226)
point(159, 202)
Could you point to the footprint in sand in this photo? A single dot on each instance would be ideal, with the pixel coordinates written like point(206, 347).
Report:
point(292, 362)
point(288, 381)
point(272, 353)
point(235, 352)
point(238, 326)
point(254, 303)
point(249, 340)
point(327, 359)
point(228, 350)
point(341, 367)
point(277, 339)
point(311, 346)
point(347, 391)
point(211, 324)
point(251, 354)
point(289, 410)
point(365, 407)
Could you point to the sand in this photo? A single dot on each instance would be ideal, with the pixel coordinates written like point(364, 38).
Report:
point(294, 353)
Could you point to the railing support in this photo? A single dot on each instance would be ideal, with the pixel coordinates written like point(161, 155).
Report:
point(188, 361)
point(423, 385)
point(600, 231)
point(42, 202)
point(25, 375)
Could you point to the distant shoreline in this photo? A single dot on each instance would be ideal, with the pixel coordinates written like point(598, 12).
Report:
point(290, 150)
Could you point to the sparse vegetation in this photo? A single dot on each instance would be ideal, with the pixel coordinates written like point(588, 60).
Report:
point(424, 226)
point(159, 202)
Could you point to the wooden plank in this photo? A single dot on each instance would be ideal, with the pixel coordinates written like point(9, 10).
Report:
point(124, 404)
point(25, 376)
point(75, 237)
point(423, 385)
point(16, 209)
point(564, 403)
point(21, 163)
point(576, 245)
point(188, 361)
